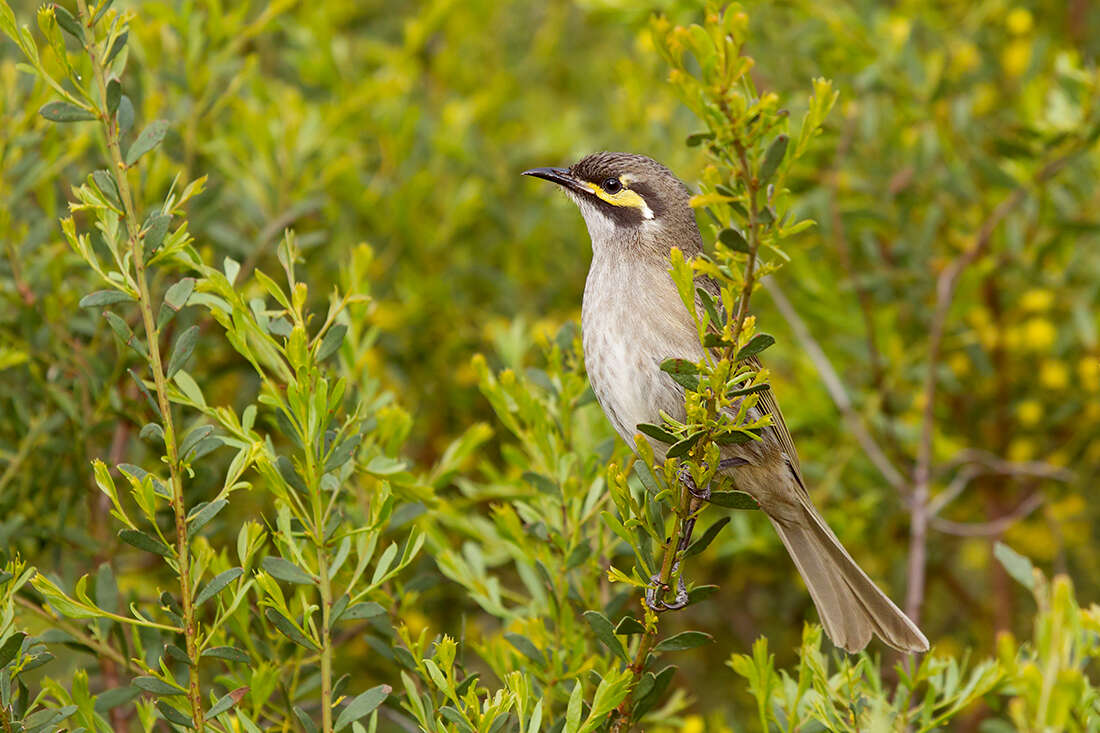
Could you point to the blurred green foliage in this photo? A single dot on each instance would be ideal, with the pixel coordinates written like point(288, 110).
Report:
point(389, 137)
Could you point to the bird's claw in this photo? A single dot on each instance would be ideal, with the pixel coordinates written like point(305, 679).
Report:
point(689, 482)
point(655, 591)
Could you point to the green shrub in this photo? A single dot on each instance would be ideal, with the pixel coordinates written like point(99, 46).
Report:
point(247, 482)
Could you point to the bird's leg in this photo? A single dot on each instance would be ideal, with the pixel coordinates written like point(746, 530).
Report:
point(656, 602)
point(689, 481)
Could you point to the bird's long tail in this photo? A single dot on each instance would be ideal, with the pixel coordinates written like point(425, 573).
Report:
point(850, 605)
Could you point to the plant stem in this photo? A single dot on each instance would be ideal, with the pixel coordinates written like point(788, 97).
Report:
point(326, 639)
point(753, 239)
point(624, 719)
point(145, 301)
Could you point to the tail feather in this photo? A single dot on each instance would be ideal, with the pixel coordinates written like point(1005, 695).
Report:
point(851, 606)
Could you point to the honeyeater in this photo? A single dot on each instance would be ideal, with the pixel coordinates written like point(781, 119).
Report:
point(632, 320)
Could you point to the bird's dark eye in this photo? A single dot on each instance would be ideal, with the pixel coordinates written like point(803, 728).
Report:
point(612, 185)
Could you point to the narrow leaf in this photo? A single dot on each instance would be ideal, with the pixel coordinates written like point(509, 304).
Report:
point(683, 640)
point(64, 112)
point(756, 344)
point(149, 138)
point(145, 542)
point(104, 297)
point(218, 584)
point(733, 500)
point(656, 432)
point(362, 705)
point(606, 633)
point(285, 570)
point(157, 686)
point(181, 352)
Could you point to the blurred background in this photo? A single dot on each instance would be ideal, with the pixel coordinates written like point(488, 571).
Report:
point(405, 126)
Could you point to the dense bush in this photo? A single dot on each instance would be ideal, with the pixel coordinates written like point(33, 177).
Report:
point(252, 476)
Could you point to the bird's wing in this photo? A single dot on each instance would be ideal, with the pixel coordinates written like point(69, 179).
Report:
point(767, 402)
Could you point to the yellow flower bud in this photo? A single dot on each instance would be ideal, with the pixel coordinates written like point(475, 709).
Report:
point(1053, 374)
point(1019, 21)
point(1029, 412)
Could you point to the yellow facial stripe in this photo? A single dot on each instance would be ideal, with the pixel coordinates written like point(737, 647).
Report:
point(625, 197)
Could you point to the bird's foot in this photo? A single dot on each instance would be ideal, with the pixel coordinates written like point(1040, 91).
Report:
point(688, 481)
point(655, 591)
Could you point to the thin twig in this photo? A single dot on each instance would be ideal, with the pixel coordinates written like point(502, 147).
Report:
point(835, 387)
point(991, 528)
point(946, 286)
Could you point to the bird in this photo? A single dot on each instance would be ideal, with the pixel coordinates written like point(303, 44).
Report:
point(632, 320)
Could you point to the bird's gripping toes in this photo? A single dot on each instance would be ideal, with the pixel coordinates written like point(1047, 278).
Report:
point(632, 320)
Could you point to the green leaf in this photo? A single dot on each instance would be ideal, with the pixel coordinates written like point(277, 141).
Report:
point(181, 352)
point(773, 158)
point(174, 716)
point(157, 686)
point(683, 640)
point(748, 390)
point(106, 184)
point(368, 609)
point(289, 630)
point(527, 648)
point(703, 542)
point(384, 466)
point(756, 344)
point(656, 432)
point(125, 115)
point(362, 705)
point(681, 448)
point(67, 22)
point(125, 335)
point(628, 626)
point(228, 653)
point(696, 139)
point(682, 371)
point(305, 720)
point(118, 45)
point(226, 701)
point(606, 633)
point(334, 337)
point(145, 542)
point(656, 690)
point(1016, 565)
point(104, 297)
point(110, 699)
point(201, 514)
point(218, 584)
point(156, 227)
point(114, 94)
point(195, 437)
point(734, 239)
point(11, 647)
point(283, 569)
point(733, 500)
point(175, 298)
point(149, 138)
point(64, 112)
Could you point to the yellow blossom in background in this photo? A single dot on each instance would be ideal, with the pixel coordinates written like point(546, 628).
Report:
point(964, 57)
point(1015, 57)
point(1088, 370)
point(985, 98)
point(1037, 299)
point(959, 363)
point(1021, 449)
point(1092, 411)
point(1054, 374)
point(1039, 334)
point(693, 724)
point(898, 29)
point(1029, 412)
point(1019, 21)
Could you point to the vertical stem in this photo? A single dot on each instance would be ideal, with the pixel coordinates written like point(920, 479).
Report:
point(320, 545)
point(753, 239)
point(623, 719)
point(133, 229)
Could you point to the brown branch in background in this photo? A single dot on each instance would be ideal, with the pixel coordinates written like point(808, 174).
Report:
point(991, 528)
point(946, 286)
point(852, 420)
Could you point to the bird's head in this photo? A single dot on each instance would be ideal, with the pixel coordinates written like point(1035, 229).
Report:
point(629, 202)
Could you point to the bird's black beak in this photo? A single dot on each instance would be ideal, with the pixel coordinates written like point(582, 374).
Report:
point(560, 176)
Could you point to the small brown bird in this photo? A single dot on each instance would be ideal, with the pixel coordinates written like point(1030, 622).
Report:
point(633, 319)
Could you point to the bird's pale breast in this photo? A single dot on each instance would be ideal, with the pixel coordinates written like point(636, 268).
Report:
point(632, 320)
